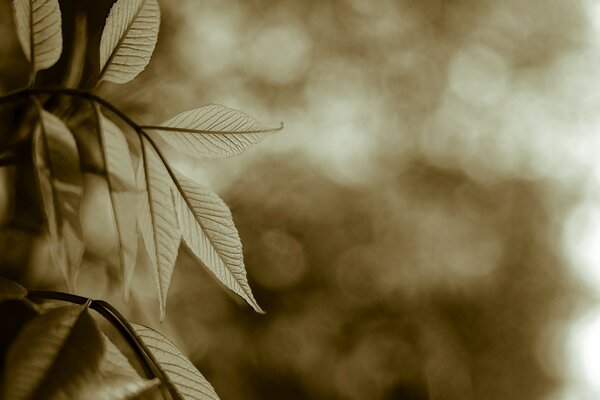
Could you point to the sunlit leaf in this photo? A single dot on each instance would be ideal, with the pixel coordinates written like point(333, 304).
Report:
point(144, 218)
point(11, 290)
point(188, 381)
point(128, 39)
point(61, 184)
point(53, 356)
point(158, 223)
point(207, 228)
point(122, 189)
point(213, 131)
point(39, 31)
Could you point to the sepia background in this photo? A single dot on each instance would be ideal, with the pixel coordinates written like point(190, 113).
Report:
point(426, 226)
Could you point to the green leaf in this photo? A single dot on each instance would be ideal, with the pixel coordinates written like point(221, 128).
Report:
point(39, 31)
point(120, 178)
point(61, 184)
point(188, 381)
point(10, 290)
point(54, 355)
point(207, 228)
point(128, 39)
point(158, 221)
point(213, 131)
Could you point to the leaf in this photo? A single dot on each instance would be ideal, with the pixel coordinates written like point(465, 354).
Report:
point(14, 314)
point(61, 184)
point(128, 39)
point(53, 355)
point(10, 290)
point(116, 379)
point(188, 381)
point(39, 31)
point(158, 222)
point(207, 228)
point(213, 131)
point(120, 177)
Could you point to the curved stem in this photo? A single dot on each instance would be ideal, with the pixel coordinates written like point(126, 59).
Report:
point(70, 92)
point(147, 360)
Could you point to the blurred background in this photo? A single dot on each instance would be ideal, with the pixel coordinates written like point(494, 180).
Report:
point(427, 226)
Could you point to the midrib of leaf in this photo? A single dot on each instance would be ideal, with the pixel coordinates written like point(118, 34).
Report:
point(207, 131)
point(48, 162)
point(152, 216)
point(186, 200)
point(120, 41)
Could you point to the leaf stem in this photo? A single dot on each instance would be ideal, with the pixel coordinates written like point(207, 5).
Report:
point(147, 360)
point(207, 131)
point(74, 93)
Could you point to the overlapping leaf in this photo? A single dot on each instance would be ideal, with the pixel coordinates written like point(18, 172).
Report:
point(158, 221)
point(188, 381)
point(116, 379)
point(122, 186)
point(58, 169)
point(57, 352)
point(128, 39)
point(213, 131)
point(39, 31)
point(207, 228)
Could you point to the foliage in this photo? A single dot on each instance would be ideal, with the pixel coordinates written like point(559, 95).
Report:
point(56, 352)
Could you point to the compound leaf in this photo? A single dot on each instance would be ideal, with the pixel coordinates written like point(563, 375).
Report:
point(54, 355)
point(61, 184)
point(187, 380)
point(213, 131)
point(39, 31)
point(207, 228)
point(128, 39)
point(122, 190)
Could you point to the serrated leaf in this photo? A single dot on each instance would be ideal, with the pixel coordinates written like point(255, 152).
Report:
point(158, 223)
point(207, 228)
point(39, 31)
point(120, 177)
point(53, 355)
point(188, 381)
point(11, 290)
point(213, 131)
point(61, 184)
point(128, 39)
